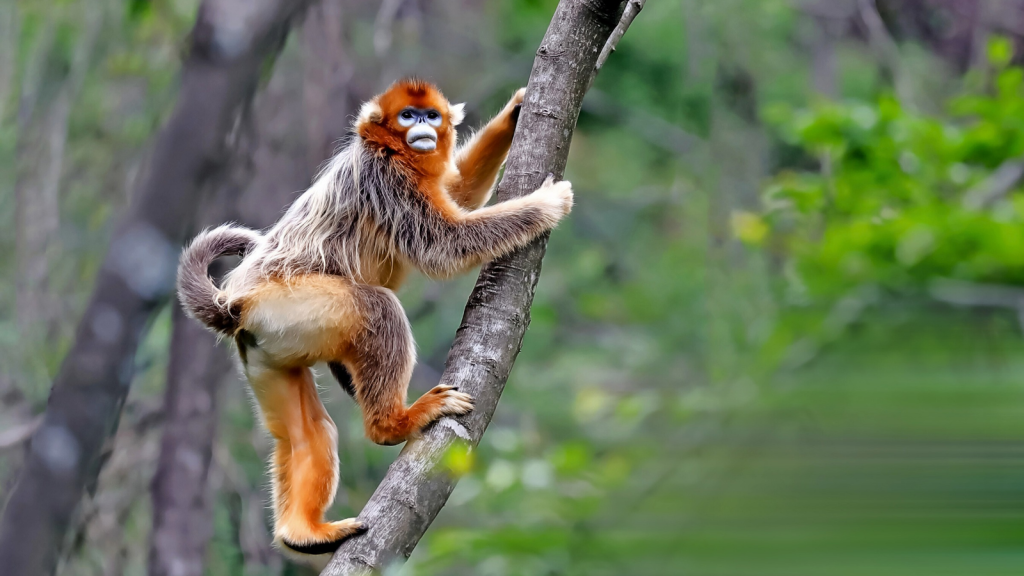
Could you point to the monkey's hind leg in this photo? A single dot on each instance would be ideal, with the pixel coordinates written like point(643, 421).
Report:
point(380, 361)
point(304, 466)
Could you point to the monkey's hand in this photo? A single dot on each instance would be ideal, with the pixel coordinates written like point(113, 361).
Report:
point(514, 105)
point(555, 198)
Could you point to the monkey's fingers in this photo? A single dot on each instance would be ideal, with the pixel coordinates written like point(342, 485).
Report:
point(517, 98)
point(555, 197)
point(515, 105)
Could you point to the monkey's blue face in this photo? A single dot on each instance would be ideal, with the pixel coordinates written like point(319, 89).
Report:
point(421, 123)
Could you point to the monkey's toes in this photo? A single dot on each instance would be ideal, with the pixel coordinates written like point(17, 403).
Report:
point(457, 404)
point(349, 527)
point(325, 538)
point(454, 403)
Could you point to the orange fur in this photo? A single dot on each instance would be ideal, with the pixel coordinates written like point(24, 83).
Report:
point(450, 188)
point(451, 184)
point(479, 160)
point(305, 459)
point(302, 321)
point(397, 424)
point(388, 137)
point(320, 318)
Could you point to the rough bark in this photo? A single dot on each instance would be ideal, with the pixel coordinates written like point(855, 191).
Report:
point(137, 276)
point(497, 315)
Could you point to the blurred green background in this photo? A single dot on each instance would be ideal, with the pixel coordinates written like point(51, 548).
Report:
point(779, 335)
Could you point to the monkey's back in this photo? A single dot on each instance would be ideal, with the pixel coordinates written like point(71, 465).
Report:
point(332, 229)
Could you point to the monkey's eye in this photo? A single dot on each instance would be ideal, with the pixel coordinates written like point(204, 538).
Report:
point(434, 118)
point(433, 115)
point(407, 117)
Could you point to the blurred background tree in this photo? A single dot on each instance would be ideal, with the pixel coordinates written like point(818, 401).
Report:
point(778, 335)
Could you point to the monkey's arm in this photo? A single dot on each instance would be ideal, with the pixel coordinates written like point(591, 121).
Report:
point(480, 158)
point(444, 243)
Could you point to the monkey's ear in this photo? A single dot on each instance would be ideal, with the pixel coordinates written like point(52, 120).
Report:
point(370, 112)
point(458, 112)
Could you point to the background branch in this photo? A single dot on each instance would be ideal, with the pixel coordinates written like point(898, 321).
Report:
point(632, 9)
point(497, 315)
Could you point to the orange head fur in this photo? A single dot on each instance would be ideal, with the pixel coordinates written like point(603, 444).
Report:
point(379, 127)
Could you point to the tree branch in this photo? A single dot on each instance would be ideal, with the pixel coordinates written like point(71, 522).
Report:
point(996, 186)
point(887, 49)
point(633, 7)
point(961, 293)
point(137, 276)
point(497, 315)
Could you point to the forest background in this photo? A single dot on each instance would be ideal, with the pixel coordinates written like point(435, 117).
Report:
point(780, 333)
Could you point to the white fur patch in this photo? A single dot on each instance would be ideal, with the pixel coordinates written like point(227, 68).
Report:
point(458, 113)
point(370, 112)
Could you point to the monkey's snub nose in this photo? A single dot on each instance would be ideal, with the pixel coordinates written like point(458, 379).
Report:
point(422, 137)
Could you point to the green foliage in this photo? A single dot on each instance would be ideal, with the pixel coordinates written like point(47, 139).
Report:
point(898, 198)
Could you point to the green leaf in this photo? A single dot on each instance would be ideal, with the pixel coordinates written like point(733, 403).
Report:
point(1000, 51)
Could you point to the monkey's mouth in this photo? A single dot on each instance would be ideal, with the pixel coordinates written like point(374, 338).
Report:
point(422, 138)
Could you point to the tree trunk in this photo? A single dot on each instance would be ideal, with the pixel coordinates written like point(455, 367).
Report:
point(496, 317)
point(137, 275)
point(327, 73)
point(182, 511)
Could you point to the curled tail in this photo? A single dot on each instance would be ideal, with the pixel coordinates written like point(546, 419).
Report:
point(196, 290)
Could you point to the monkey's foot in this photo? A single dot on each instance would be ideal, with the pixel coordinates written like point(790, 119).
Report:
point(440, 401)
point(320, 539)
point(452, 402)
